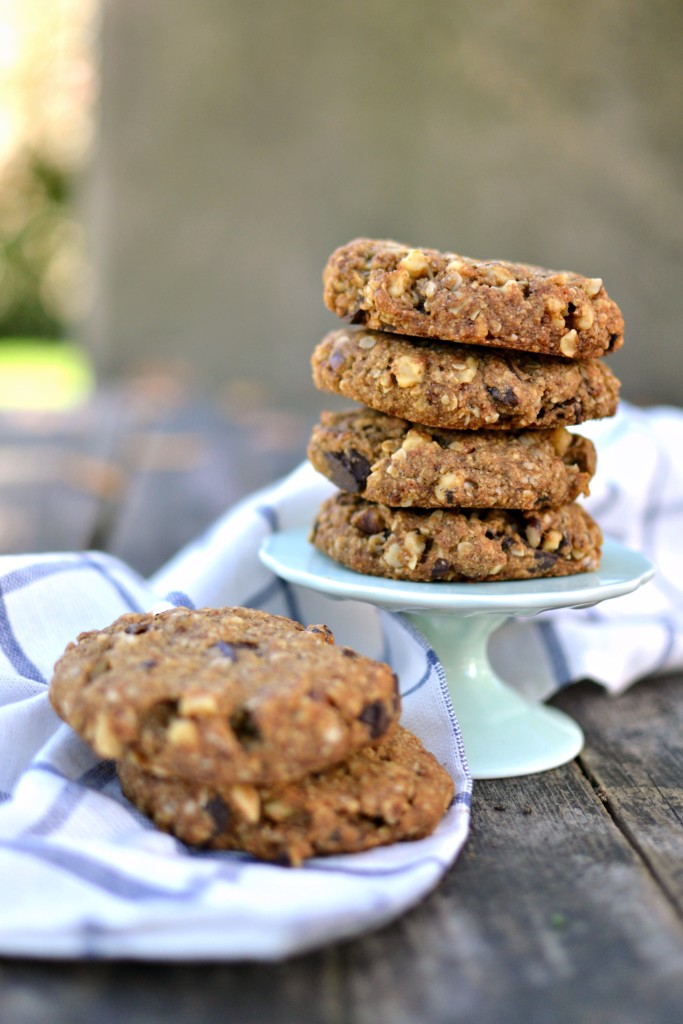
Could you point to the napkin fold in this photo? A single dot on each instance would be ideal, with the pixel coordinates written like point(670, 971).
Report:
point(84, 874)
point(637, 498)
point(91, 877)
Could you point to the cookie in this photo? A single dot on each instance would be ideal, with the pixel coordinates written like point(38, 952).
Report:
point(428, 294)
point(222, 695)
point(456, 544)
point(462, 387)
point(392, 461)
point(393, 791)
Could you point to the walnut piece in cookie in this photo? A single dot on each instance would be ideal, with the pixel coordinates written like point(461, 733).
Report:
point(392, 461)
point(459, 545)
point(388, 286)
point(390, 792)
point(462, 387)
point(222, 695)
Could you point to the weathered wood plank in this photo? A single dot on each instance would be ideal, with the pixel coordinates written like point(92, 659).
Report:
point(297, 992)
point(634, 757)
point(186, 469)
point(136, 472)
point(549, 915)
point(58, 472)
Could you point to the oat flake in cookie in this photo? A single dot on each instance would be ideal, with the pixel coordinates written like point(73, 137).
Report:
point(457, 545)
point(392, 791)
point(462, 387)
point(391, 461)
point(388, 286)
point(227, 695)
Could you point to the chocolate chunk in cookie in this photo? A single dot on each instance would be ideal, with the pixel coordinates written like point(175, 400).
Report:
point(460, 545)
point(410, 465)
point(392, 791)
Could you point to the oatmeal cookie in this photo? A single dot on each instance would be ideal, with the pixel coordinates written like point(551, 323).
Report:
point(222, 695)
point(456, 545)
point(421, 292)
point(392, 461)
point(462, 387)
point(393, 791)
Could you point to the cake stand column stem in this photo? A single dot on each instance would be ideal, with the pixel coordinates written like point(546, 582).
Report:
point(504, 733)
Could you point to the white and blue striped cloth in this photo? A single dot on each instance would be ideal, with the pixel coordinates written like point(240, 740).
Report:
point(83, 874)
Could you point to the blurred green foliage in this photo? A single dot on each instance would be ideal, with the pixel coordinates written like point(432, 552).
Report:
point(35, 221)
point(47, 76)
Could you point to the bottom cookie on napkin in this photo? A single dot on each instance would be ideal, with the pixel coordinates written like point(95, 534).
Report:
point(392, 791)
point(428, 545)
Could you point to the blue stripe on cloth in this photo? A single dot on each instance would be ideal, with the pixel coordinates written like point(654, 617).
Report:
point(19, 578)
point(432, 662)
point(436, 665)
point(558, 661)
point(318, 864)
point(270, 515)
point(179, 599)
point(71, 795)
point(431, 659)
point(672, 508)
point(59, 812)
point(325, 863)
point(97, 777)
point(122, 591)
point(263, 596)
point(13, 650)
point(101, 876)
point(385, 653)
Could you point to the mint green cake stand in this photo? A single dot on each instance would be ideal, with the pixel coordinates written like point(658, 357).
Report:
point(504, 733)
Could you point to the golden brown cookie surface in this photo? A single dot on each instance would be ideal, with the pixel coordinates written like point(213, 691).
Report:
point(222, 694)
point(462, 387)
point(459, 545)
point(395, 462)
point(388, 286)
point(392, 791)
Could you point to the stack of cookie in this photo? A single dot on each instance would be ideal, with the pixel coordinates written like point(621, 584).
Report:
point(235, 729)
point(458, 464)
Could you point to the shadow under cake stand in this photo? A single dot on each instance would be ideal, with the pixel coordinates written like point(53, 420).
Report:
point(504, 733)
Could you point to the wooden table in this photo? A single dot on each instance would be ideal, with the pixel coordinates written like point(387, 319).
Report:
point(567, 902)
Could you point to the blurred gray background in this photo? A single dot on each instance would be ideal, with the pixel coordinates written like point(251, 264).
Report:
point(240, 141)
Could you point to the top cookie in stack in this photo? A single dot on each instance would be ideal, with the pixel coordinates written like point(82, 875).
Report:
point(430, 294)
point(460, 467)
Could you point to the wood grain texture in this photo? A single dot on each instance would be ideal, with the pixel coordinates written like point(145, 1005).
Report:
point(58, 473)
point(634, 759)
point(549, 914)
point(186, 465)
